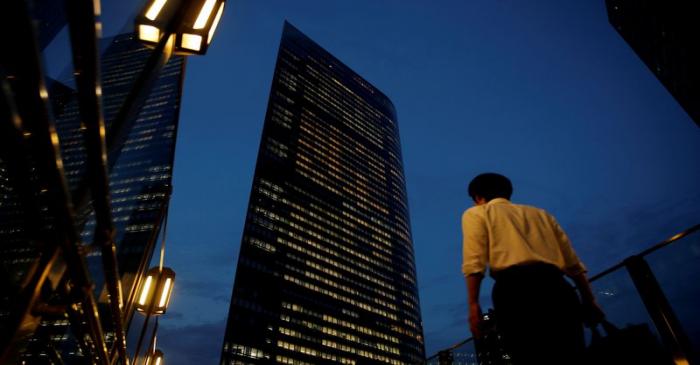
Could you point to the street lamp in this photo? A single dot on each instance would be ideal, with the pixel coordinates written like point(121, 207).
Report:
point(193, 22)
point(151, 23)
point(156, 290)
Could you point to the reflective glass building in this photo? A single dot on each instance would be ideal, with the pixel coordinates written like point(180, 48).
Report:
point(141, 176)
point(326, 268)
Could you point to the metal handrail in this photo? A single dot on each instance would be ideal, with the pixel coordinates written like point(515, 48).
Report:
point(649, 250)
point(601, 274)
point(453, 347)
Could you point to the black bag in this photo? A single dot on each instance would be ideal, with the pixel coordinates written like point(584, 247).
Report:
point(634, 344)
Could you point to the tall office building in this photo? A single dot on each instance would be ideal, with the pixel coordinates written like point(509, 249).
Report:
point(140, 179)
point(140, 182)
point(326, 268)
point(663, 33)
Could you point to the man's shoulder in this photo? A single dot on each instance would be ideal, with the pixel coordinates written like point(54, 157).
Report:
point(529, 207)
point(532, 210)
point(477, 210)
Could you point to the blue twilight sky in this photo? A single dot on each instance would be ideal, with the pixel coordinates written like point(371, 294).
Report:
point(545, 92)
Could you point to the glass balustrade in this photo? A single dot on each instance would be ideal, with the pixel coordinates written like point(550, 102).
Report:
point(675, 265)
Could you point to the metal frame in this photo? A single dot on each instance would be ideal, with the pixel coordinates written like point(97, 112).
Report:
point(30, 116)
point(83, 34)
point(29, 139)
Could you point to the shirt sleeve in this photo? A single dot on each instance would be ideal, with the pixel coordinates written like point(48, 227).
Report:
point(475, 244)
point(572, 264)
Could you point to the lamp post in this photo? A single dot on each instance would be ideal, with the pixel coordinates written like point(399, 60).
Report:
point(184, 27)
point(153, 299)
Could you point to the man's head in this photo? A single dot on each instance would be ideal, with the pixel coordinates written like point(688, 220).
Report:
point(488, 186)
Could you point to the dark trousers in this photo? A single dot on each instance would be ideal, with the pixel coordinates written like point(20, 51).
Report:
point(539, 315)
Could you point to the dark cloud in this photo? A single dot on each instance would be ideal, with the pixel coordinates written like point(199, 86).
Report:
point(193, 344)
point(212, 289)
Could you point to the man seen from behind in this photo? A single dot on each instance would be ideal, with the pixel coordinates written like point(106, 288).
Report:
point(538, 312)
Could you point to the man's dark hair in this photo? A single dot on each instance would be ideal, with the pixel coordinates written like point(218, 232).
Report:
point(490, 186)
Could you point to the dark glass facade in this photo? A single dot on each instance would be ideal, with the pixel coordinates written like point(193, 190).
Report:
point(140, 183)
point(663, 33)
point(140, 180)
point(141, 175)
point(326, 268)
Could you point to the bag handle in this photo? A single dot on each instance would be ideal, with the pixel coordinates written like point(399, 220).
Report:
point(609, 327)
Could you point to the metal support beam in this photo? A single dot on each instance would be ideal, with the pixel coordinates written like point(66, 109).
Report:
point(27, 119)
point(14, 153)
point(82, 18)
point(23, 70)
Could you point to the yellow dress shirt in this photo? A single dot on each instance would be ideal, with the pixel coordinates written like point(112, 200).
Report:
point(500, 234)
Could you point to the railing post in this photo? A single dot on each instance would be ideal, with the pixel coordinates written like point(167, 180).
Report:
point(665, 320)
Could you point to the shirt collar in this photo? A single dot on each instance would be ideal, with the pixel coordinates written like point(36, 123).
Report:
point(498, 201)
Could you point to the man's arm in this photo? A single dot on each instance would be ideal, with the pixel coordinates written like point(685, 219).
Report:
point(474, 260)
point(592, 313)
point(473, 288)
point(574, 268)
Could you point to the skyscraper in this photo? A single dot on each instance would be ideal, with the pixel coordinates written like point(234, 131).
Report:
point(140, 182)
point(661, 32)
point(326, 268)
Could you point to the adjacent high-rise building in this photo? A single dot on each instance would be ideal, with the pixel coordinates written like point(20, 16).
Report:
point(140, 179)
point(326, 269)
point(140, 182)
point(663, 34)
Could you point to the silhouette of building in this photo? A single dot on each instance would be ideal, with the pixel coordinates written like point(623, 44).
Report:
point(326, 268)
point(662, 33)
